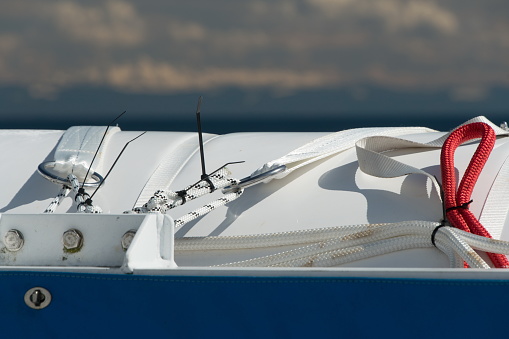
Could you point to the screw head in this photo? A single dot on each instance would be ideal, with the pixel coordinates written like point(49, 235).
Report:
point(37, 298)
point(72, 239)
point(13, 240)
point(127, 238)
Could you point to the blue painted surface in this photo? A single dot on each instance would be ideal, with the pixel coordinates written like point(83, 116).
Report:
point(126, 306)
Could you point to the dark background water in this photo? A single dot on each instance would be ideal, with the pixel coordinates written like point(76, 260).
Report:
point(234, 110)
point(222, 126)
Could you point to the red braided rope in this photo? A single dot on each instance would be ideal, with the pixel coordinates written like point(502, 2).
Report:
point(456, 203)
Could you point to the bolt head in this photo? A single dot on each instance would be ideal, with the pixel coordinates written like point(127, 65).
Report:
point(13, 240)
point(72, 239)
point(127, 238)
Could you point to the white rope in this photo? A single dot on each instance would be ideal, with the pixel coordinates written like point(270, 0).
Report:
point(343, 244)
point(365, 241)
point(64, 192)
point(207, 208)
point(355, 253)
point(163, 200)
point(272, 239)
point(81, 198)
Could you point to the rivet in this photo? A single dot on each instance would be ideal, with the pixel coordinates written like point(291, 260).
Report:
point(72, 239)
point(37, 298)
point(127, 238)
point(13, 240)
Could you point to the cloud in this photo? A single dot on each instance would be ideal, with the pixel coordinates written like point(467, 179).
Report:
point(236, 42)
point(186, 31)
point(283, 8)
point(147, 75)
point(469, 93)
point(112, 23)
point(394, 14)
point(9, 45)
point(8, 42)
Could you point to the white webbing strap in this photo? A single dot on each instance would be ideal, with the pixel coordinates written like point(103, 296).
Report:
point(329, 145)
point(372, 160)
point(77, 148)
point(496, 206)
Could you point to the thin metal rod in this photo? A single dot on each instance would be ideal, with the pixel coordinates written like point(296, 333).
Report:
point(114, 163)
point(99, 147)
point(200, 139)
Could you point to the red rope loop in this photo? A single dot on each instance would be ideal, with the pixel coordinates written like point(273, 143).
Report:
point(458, 216)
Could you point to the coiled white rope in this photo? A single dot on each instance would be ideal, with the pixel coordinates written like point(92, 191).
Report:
point(344, 255)
point(343, 244)
point(270, 239)
point(343, 233)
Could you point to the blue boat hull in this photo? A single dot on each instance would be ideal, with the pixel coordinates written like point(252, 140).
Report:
point(133, 306)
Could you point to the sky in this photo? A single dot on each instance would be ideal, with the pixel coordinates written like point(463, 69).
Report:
point(137, 52)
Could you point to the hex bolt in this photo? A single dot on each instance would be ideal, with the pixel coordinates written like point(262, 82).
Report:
point(72, 240)
point(127, 238)
point(13, 240)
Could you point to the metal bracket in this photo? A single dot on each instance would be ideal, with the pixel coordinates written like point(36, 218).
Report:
point(43, 170)
point(250, 181)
